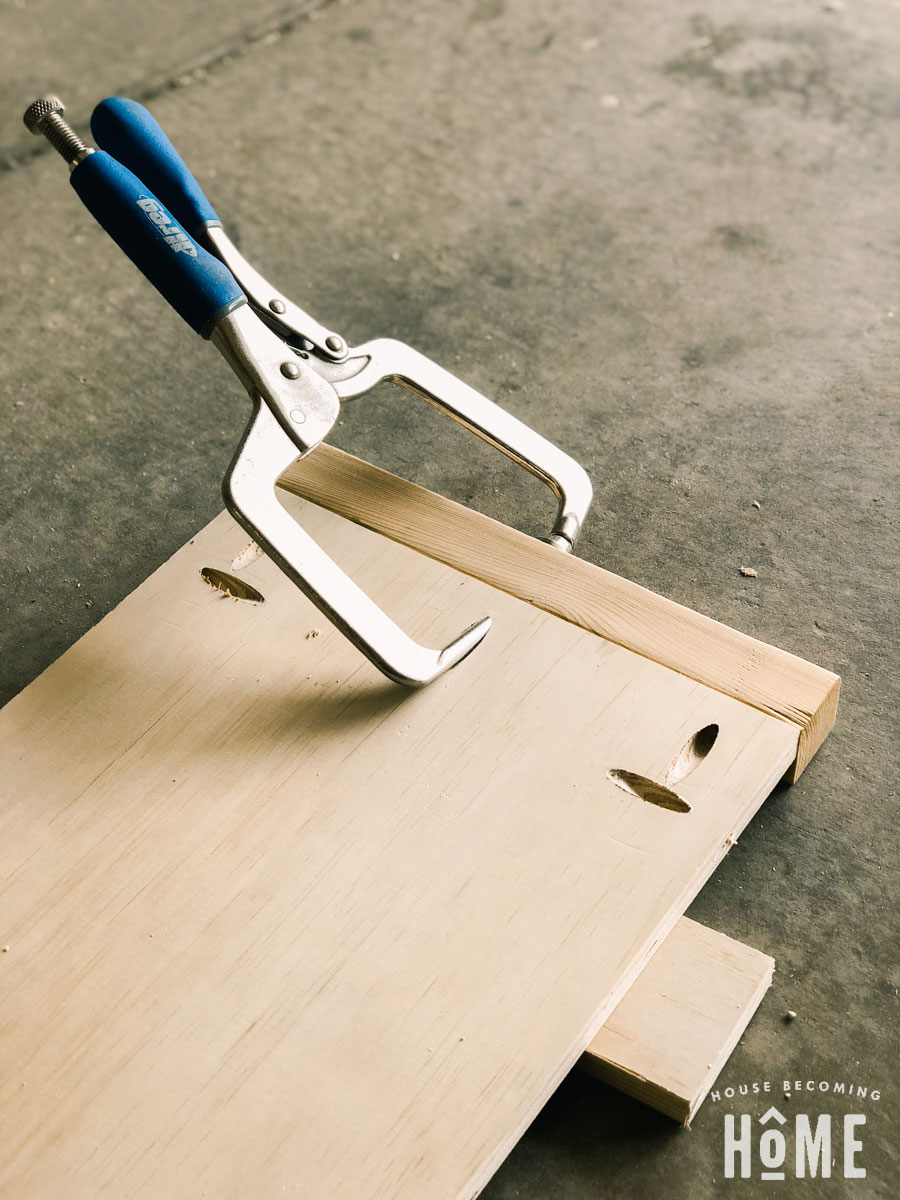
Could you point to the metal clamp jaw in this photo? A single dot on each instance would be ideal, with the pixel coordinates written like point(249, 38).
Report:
point(296, 398)
point(387, 359)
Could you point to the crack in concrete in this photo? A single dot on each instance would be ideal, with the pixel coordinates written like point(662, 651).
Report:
point(251, 39)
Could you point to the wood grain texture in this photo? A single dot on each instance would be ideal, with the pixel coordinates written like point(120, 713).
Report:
point(277, 927)
point(623, 612)
point(675, 1028)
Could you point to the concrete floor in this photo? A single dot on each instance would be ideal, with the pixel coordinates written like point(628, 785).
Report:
point(669, 240)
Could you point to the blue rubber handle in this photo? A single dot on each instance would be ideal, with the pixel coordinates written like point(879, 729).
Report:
point(127, 131)
point(199, 287)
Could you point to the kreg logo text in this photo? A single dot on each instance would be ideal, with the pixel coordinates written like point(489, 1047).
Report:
point(173, 236)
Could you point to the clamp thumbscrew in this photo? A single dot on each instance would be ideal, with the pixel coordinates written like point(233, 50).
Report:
point(46, 116)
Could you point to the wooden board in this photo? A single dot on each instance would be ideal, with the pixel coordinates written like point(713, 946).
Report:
point(617, 609)
point(674, 1030)
point(278, 927)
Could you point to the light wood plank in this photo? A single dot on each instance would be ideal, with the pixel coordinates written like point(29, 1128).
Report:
point(677, 1025)
point(278, 927)
point(623, 612)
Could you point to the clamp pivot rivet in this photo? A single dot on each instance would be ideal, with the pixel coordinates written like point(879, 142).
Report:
point(277, 306)
point(290, 370)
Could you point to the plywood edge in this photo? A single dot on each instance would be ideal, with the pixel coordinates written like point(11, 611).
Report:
point(677, 1025)
point(623, 612)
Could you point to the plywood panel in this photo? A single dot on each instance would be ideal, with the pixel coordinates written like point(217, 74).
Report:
point(277, 927)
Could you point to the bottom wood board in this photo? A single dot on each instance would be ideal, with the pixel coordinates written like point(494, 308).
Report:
point(673, 1031)
point(277, 927)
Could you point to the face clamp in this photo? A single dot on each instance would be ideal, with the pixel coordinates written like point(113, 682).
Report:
point(295, 370)
point(295, 402)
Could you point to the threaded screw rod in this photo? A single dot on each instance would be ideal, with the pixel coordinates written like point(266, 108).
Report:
point(46, 116)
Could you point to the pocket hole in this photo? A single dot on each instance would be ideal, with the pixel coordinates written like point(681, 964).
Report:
point(692, 753)
point(647, 789)
point(228, 585)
